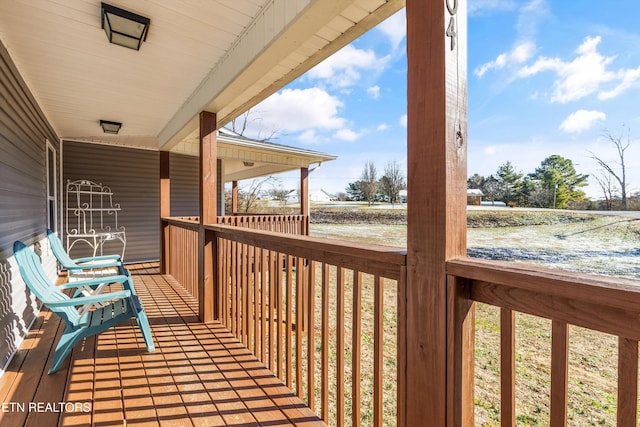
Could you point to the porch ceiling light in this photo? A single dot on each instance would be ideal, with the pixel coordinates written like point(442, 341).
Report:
point(110, 127)
point(124, 28)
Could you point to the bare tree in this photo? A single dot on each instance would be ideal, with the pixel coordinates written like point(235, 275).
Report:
point(248, 196)
point(280, 194)
point(618, 170)
point(368, 183)
point(606, 185)
point(392, 181)
point(240, 124)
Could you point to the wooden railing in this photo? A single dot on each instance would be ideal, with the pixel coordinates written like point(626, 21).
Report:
point(609, 305)
point(289, 224)
point(180, 251)
point(329, 319)
point(304, 305)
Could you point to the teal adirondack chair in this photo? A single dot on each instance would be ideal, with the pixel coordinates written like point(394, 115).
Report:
point(125, 304)
point(80, 265)
point(87, 268)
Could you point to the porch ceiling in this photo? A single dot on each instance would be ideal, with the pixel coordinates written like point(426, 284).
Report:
point(216, 55)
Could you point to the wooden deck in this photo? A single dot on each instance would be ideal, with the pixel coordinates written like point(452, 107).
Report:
point(199, 375)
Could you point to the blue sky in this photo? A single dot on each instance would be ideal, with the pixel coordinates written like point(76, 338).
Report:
point(544, 77)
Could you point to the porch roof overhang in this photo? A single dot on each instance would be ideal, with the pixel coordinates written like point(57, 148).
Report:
point(218, 56)
point(246, 158)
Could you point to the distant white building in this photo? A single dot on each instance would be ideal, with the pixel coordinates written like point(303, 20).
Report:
point(320, 196)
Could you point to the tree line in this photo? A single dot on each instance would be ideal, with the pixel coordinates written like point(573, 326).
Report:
point(371, 187)
point(554, 184)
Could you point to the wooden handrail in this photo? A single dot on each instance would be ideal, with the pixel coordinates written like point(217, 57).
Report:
point(385, 261)
point(281, 223)
point(606, 304)
point(607, 291)
point(185, 222)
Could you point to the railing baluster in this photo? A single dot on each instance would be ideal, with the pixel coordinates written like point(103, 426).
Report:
point(244, 296)
point(279, 283)
point(289, 333)
point(256, 314)
point(263, 305)
point(227, 283)
point(378, 346)
point(273, 342)
point(299, 316)
point(507, 368)
point(356, 346)
point(234, 288)
point(559, 372)
point(311, 337)
point(249, 311)
point(627, 382)
point(340, 348)
point(325, 343)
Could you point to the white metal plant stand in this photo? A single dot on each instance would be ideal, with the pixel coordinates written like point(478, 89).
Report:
point(92, 217)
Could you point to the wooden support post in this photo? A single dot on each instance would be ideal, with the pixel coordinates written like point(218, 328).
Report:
point(304, 200)
point(208, 213)
point(436, 216)
point(165, 209)
point(234, 197)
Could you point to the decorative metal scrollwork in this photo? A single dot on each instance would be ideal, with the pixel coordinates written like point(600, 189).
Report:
point(92, 217)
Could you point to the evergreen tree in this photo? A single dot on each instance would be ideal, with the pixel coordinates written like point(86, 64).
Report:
point(509, 183)
point(559, 182)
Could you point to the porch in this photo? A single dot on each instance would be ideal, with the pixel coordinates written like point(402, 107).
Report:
point(268, 299)
point(200, 374)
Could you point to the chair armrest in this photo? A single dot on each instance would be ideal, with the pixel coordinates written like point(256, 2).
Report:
point(96, 265)
point(94, 282)
point(114, 258)
point(90, 299)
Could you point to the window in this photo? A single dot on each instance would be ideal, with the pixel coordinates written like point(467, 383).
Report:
point(52, 200)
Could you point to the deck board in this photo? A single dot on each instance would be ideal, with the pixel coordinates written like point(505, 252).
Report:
point(199, 375)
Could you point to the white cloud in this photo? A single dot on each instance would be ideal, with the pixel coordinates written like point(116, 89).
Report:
point(581, 121)
point(491, 150)
point(629, 79)
point(403, 120)
point(383, 126)
point(529, 16)
point(294, 110)
point(578, 78)
point(484, 7)
point(346, 135)
point(395, 28)
point(374, 91)
point(342, 69)
point(518, 55)
point(309, 137)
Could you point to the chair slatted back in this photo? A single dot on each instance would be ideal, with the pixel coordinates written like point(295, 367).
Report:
point(58, 251)
point(36, 279)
